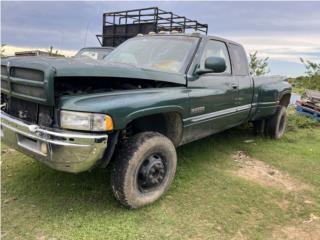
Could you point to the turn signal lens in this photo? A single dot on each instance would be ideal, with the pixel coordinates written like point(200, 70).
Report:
point(108, 123)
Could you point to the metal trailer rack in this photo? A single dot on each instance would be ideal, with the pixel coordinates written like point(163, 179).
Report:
point(122, 25)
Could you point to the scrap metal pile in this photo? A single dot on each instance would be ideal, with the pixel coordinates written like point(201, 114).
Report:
point(310, 105)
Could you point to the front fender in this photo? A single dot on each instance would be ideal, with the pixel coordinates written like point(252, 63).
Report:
point(151, 111)
point(125, 106)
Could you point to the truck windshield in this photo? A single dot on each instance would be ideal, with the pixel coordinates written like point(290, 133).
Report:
point(94, 53)
point(162, 53)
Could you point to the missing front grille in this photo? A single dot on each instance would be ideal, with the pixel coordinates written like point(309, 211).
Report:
point(24, 110)
point(31, 112)
point(45, 115)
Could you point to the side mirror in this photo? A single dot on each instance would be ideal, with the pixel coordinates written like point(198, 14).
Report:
point(213, 64)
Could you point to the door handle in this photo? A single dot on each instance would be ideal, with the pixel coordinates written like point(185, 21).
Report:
point(234, 86)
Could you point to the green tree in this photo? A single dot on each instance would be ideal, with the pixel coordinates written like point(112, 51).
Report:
point(258, 66)
point(312, 68)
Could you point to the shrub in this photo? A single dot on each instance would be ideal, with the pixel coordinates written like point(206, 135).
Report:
point(312, 80)
point(307, 82)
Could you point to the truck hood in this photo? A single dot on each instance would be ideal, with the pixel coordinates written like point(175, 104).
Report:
point(52, 67)
point(85, 67)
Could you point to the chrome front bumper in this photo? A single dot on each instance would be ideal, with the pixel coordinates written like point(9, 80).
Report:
point(62, 150)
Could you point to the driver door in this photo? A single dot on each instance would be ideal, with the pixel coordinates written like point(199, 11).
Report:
point(213, 95)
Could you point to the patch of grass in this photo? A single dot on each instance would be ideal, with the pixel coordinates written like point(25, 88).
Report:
point(296, 121)
point(204, 202)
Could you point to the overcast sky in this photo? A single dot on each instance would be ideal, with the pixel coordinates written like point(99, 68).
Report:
point(283, 31)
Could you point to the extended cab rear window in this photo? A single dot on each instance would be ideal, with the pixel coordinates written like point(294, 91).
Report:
point(239, 60)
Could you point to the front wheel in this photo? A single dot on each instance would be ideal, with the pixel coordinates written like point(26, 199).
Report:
point(144, 169)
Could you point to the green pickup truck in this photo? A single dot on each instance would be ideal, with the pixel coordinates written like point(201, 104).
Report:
point(149, 96)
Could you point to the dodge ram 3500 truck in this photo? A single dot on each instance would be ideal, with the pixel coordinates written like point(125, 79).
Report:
point(150, 95)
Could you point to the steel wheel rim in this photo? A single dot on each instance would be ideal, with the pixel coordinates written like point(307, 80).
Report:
point(151, 173)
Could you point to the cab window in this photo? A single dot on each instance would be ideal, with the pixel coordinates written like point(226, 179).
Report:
point(239, 60)
point(216, 49)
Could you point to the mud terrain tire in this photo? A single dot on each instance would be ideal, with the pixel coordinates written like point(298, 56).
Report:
point(144, 169)
point(277, 123)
